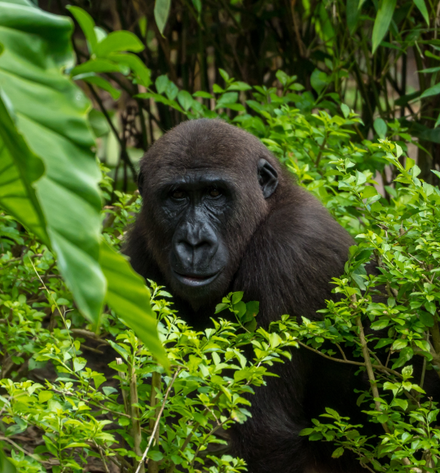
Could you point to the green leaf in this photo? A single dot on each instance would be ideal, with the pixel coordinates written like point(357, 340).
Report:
point(204, 95)
point(368, 192)
point(37, 50)
point(380, 324)
point(239, 86)
point(217, 89)
point(227, 98)
point(220, 308)
point(129, 297)
point(238, 107)
point(121, 350)
point(380, 127)
point(98, 379)
point(426, 318)
point(96, 65)
point(382, 21)
point(5, 465)
point(252, 325)
point(155, 455)
point(197, 5)
point(434, 90)
point(345, 110)
point(101, 83)
point(79, 363)
point(75, 444)
point(431, 307)
point(119, 41)
point(420, 4)
point(307, 431)
point(161, 84)
point(87, 25)
point(141, 71)
point(399, 344)
point(319, 80)
point(224, 75)
point(405, 355)
point(161, 12)
point(44, 396)
point(338, 452)
point(237, 297)
point(19, 169)
point(253, 308)
point(282, 77)
point(352, 9)
point(240, 310)
point(185, 99)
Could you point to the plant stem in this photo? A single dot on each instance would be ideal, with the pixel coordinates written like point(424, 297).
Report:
point(153, 466)
point(135, 423)
point(156, 424)
point(370, 371)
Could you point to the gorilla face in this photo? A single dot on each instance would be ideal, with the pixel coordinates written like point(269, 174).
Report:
point(196, 209)
point(199, 213)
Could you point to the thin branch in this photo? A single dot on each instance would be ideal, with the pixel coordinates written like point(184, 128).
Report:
point(350, 362)
point(156, 425)
point(6, 439)
point(124, 154)
point(370, 371)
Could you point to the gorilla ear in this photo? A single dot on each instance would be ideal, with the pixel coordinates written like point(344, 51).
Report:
point(140, 182)
point(267, 177)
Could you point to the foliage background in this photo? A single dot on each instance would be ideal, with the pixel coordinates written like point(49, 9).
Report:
point(344, 93)
point(378, 57)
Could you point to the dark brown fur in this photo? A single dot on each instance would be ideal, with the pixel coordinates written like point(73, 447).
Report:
point(283, 251)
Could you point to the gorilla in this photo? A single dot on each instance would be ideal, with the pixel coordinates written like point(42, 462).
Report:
point(221, 214)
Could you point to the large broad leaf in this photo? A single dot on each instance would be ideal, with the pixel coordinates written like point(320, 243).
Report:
point(129, 297)
point(19, 169)
point(51, 113)
point(49, 180)
point(382, 21)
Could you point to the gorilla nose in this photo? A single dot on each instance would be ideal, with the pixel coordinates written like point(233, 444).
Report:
point(195, 248)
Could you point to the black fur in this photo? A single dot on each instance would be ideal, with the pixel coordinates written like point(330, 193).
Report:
point(283, 249)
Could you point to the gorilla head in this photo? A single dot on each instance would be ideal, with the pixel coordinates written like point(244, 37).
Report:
point(204, 195)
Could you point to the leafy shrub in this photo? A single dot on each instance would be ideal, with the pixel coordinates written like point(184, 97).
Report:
point(79, 412)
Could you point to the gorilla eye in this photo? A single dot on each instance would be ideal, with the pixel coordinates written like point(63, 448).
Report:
point(214, 192)
point(178, 194)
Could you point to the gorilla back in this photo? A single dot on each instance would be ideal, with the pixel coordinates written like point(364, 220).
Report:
point(220, 214)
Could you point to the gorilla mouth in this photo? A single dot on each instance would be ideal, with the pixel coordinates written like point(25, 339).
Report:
point(196, 280)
